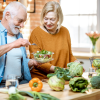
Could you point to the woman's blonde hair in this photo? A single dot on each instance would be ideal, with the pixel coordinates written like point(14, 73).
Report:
point(52, 6)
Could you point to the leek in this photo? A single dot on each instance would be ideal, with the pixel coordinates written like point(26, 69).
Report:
point(15, 94)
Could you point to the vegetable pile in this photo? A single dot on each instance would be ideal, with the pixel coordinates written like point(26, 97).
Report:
point(43, 56)
point(15, 94)
point(78, 84)
point(95, 82)
point(75, 69)
point(57, 79)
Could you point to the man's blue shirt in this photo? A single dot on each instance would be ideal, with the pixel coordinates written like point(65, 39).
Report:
point(24, 62)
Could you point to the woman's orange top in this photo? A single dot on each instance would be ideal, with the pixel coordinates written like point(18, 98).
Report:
point(59, 43)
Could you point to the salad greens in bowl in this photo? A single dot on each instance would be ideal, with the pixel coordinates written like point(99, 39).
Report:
point(43, 56)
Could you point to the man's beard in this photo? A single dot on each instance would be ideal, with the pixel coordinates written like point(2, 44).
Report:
point(14, 29)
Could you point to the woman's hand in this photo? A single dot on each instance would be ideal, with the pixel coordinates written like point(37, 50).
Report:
point(52, 69)
point(33, 62)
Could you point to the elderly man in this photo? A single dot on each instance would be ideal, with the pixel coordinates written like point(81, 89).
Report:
point(13, 59)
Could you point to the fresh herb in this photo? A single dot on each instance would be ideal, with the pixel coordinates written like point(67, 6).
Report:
point(44, 52)
point(61, 73)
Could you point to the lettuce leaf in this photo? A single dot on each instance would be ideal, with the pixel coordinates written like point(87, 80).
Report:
point(78, 84)
point(75, 69)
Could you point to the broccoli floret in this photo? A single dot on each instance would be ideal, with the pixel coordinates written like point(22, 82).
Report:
point(95, 82)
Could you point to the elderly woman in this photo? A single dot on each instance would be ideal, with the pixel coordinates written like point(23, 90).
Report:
point(51, 36)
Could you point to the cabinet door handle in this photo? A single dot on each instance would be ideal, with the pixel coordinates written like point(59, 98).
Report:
point(81, 62)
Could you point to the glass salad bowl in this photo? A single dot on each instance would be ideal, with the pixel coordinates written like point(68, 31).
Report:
point(43, 56)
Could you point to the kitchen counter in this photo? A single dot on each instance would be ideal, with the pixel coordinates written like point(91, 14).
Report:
point(66, 94)
point(84, 55)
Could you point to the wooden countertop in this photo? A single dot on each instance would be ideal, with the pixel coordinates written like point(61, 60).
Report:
point(66, 94)
point(85, 55)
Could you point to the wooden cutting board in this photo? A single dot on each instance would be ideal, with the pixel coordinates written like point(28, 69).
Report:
point(46, 80)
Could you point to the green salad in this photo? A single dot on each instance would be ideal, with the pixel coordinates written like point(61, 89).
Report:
point(43, 56)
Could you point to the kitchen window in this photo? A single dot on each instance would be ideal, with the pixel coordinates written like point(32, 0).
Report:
point(81, 16)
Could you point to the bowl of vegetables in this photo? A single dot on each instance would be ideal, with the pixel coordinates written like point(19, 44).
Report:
point(43, 56)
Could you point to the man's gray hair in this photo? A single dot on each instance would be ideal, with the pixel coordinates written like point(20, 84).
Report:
point(13, 8)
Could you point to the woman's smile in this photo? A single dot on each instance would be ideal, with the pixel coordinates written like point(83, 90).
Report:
point(50, 21)
point(49, 26)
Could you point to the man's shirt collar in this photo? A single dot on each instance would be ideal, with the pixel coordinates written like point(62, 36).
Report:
point(2, 28)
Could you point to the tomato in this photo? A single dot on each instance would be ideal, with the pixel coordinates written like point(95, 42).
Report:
point(49, 56)
point(40, 56)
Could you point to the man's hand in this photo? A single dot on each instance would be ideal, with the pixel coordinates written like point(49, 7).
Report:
point(16, 44)
point(20, 42)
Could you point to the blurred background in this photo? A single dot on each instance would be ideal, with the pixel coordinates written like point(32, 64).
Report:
point(80, 17)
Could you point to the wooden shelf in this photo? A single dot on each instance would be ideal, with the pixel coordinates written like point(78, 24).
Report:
point(1, 10)
point(83, 55)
